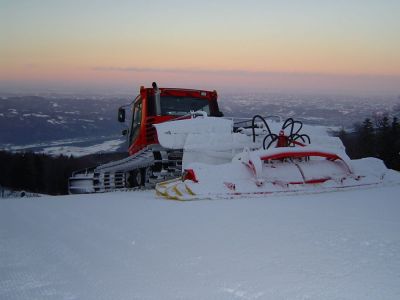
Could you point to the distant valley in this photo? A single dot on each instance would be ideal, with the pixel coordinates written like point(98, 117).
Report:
point(83, 125)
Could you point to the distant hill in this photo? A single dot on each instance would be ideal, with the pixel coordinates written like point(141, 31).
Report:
point(87, 121)
point(31, 119)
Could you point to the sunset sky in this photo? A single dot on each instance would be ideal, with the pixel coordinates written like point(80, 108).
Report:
point(314, 45)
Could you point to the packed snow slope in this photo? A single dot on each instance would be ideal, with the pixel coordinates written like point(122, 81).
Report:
point(132, 245)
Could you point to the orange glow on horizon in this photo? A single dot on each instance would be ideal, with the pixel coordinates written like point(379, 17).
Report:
point(135, 42)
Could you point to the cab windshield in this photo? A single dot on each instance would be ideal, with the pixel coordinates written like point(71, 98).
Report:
point(180, 106)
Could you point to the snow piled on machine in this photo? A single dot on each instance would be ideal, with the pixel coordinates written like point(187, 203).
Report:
point(223, 159)
point(214, 139)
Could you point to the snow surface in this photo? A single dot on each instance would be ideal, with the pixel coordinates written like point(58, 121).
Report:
point(132, 245)
point(65, 147)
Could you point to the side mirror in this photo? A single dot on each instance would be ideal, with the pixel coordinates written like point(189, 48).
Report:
point(124, 132)
point(121, 115)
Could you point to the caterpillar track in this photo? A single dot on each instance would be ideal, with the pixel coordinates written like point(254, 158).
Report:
point(144, 169)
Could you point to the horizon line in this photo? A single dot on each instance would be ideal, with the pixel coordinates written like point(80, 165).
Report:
point(236, 72)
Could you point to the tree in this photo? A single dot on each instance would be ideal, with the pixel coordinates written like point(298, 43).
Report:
point(366, 139)
point(394, 159)
point(384, 139)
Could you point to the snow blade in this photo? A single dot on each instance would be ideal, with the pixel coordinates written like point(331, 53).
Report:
point(174, 190)
point(224, 160)
point(274, 171)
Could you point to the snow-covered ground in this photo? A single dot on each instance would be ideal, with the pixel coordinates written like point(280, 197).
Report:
point(132, 245)
point(107, 146)
point(75, 147)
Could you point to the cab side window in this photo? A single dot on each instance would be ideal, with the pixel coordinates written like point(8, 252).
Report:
point(137, 121)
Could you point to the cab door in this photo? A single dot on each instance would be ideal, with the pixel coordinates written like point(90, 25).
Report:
point(136, 124)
